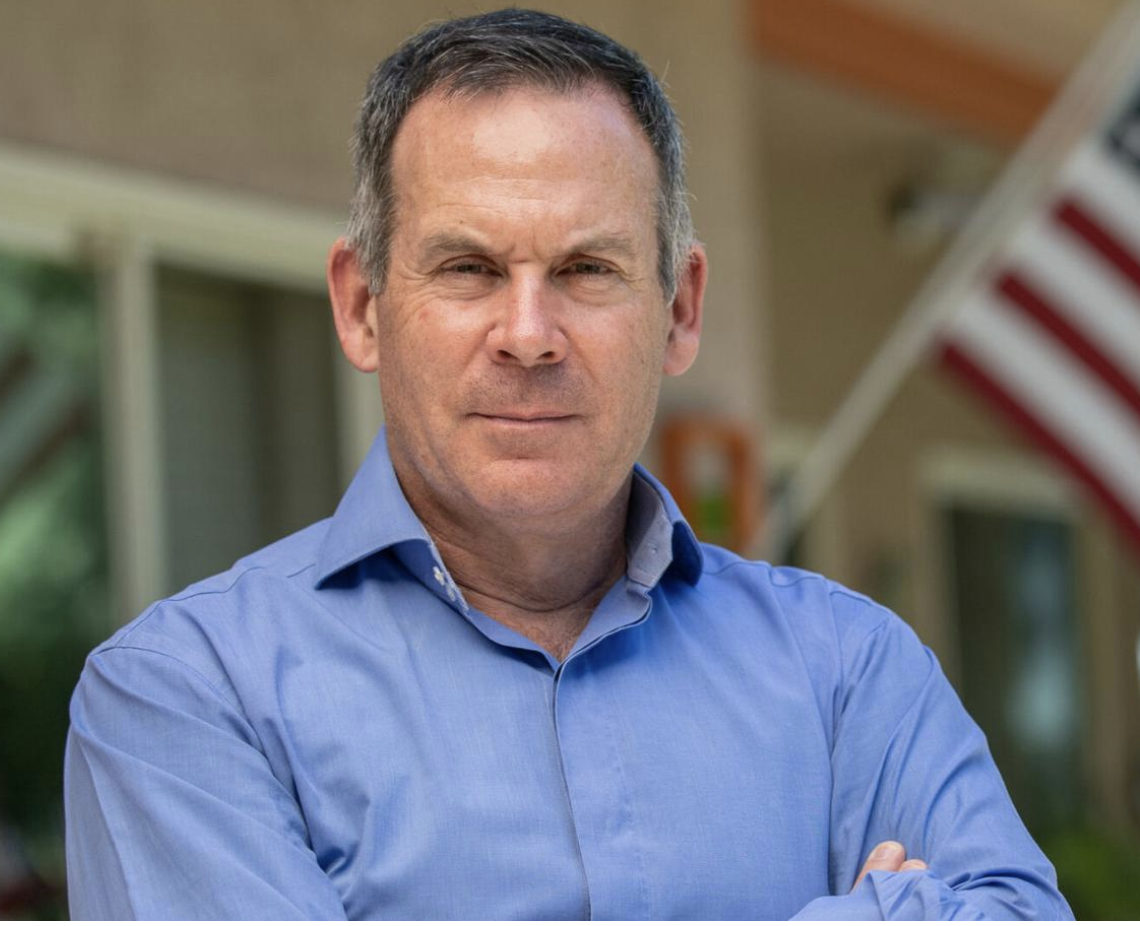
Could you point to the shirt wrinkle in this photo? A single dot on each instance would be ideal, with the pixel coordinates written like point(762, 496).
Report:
point(116, 850)
point(206, 680)
point(189, 594)
point(826, 731)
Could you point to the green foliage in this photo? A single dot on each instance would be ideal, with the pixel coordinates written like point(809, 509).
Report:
point(53, 562)
point(1098, 872)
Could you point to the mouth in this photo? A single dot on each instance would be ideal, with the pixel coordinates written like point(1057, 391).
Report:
point(522, 419)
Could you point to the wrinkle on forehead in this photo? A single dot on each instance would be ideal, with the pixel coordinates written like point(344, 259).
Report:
point(532, 138)
point(515, 130)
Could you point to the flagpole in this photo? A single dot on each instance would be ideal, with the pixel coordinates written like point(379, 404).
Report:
point(1078, 107)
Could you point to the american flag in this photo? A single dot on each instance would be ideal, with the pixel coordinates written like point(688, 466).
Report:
point(1050, 335)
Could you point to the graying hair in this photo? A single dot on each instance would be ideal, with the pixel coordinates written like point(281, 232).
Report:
point(492, 53)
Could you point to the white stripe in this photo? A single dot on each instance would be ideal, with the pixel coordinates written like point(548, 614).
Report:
point(1046, 380)
point(1111, 189)
point(1082, 290)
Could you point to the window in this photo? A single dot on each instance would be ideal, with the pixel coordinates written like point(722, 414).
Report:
point(1015, 607)
point(247, 412)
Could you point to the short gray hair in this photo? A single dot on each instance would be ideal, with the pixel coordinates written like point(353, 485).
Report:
point(499, 51)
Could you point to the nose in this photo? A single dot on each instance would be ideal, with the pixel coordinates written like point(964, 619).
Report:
point(527, 332)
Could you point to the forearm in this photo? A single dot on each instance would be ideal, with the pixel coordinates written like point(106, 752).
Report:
point(911, 766)
point(922, 895)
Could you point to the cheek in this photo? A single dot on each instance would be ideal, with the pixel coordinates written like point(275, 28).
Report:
point(402, 379)
point(647, 353)
point(423, 364)
point(632, 378)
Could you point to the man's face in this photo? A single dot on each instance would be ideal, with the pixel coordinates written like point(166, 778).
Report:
point(522, 332)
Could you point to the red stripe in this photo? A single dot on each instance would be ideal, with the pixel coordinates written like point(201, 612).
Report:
point(1020, 294)
point(957, 360)
point(1081, 222)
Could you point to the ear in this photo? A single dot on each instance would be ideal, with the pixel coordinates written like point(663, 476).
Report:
point(688, 314)
point(353, 307)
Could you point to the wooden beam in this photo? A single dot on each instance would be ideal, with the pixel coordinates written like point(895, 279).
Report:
point(968, 87)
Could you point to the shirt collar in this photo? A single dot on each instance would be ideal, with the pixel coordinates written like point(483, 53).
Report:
point(657, 535)
point(374, 515)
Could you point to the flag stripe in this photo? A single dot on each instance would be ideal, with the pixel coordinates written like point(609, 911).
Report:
point(1046, 378)
point(1107, 188)
point(1074, 282)
point(959, 362)
point(1020, 294)
point(1079, 220)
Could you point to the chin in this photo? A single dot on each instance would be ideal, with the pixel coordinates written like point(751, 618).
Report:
point(535, 488)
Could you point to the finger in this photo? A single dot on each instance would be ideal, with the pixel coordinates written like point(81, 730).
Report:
point(886, 856)
point(913, 864)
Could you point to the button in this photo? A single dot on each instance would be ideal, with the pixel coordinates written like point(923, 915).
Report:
point(451, 593)
point(438, 573)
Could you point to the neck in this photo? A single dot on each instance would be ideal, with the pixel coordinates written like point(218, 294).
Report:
point(542, 579)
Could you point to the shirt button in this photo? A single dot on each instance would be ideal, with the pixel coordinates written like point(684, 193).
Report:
point(451, 593)
point(438, 573)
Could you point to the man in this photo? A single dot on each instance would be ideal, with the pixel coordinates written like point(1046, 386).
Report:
point(504, 680)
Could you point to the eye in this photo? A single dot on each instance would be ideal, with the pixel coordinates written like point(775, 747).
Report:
point(588, 268)
point(470, 267)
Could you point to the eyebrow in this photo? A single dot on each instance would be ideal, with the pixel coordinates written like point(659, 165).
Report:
point(445, 244)
point(620, 245)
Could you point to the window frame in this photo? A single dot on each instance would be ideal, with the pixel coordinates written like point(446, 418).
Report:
point(1000, 481)
point(124, 223)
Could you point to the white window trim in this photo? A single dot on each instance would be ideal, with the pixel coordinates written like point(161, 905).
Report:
point(1001, 481)
point(125, 222)
point(1012, 482)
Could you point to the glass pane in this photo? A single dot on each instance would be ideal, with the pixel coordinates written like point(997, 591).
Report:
point(1014, 595)
point(53, 559)
point(249, 433)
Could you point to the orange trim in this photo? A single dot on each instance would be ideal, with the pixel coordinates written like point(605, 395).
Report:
point(967, 86)
point(679, 436)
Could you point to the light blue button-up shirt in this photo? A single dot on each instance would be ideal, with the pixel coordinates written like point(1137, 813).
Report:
point(330, 730)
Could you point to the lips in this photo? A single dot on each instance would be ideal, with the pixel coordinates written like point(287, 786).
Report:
point(526, 416)
point(544, 417)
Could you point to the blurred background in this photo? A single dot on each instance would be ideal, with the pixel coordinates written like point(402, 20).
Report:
point(172, 174)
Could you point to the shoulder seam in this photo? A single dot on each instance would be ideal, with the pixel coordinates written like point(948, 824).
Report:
point(123, 647)
point(832, 587)
point(119, 647)
point(185, 595)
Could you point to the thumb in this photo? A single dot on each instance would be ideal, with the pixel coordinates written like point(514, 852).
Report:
point(886, 856)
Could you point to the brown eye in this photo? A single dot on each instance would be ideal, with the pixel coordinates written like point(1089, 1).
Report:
point(471, 267)
point(589, 268)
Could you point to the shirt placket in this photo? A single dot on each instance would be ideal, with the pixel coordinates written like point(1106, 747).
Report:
point(597, 787)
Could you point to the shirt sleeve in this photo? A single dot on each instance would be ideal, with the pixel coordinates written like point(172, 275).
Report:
point(910, 765)
point(172, 809)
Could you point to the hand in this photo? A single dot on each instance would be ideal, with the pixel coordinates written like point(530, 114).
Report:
point(889, 856)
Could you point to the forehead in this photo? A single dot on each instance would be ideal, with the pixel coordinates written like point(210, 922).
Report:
point(554, 150)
